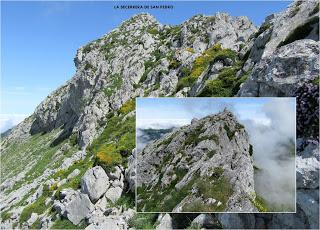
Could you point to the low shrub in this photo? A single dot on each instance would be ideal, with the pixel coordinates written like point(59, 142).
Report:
point(64, 223)
point(143, 221)
point(200, 64)
point(260, 204)
point(189, 49)
point(127, 107)
point(38, 207)
point(230, 133)
point(153, 31)
point(108, 157)
point(115, 142)
point(225, 85)
point(185, 82)
point(211, 153)
point(87, 48)
point(174, 64)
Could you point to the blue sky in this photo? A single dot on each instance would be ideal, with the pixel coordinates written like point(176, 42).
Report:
point(168, 112)
point(39, 41)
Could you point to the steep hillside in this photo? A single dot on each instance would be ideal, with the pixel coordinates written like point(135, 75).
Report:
point(205, 166)
point(70, 164)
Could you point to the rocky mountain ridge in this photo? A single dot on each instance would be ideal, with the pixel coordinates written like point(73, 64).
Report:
point(87, 125)
point(205, 166)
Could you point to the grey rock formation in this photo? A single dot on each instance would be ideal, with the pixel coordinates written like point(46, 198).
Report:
point(278, 75)
point(204, 221)
point(113, 194)
point(165, 222)
point(281, 28)
point(214, 149)
point(74, 205)
point(95, 183)
point(308, 167)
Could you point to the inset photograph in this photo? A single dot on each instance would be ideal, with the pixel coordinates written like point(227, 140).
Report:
point(215, 155)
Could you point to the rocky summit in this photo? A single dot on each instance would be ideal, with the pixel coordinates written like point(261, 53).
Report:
point(71, 163)
point(206, 166)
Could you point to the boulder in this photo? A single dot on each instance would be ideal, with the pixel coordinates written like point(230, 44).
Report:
point(75, 205)
point(113, 194)
point(165, 222)
point(204, 221)
point(95, 183)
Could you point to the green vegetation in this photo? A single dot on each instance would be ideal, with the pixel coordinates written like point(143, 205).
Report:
point(127, 200)
point(211, 153)
point(88, 66)
point(230, 133)
point(64, 223)
point(165, 199)
point(87, 48)
point(173, 31)
point(316, 81)
point(174, 64)
point(115, 142)
point(73, 139)
point(113, 41)
point(35, 154)
point(217, 186)
point(150, 64)
point(115, 84)
point(185, 82)
point(225, 85)
point(193, 137)
point(168, 140)
point(211, 55)
point(75, 182)
point(185, 71)
point(38, 206)
point(189, 49)
point(213, 137)
point(176, 196)
point(260, 204)
point(36, 224)
point(5, 215)
point(153, 31)
point(143, 221)
point(127, 107)
point(301, 31)
point(153, 199)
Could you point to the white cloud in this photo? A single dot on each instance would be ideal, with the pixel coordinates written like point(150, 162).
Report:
point(161, 123)
point(7, 121)
point(276, 181)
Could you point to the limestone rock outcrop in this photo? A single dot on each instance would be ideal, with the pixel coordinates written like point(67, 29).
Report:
point(212, 152)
